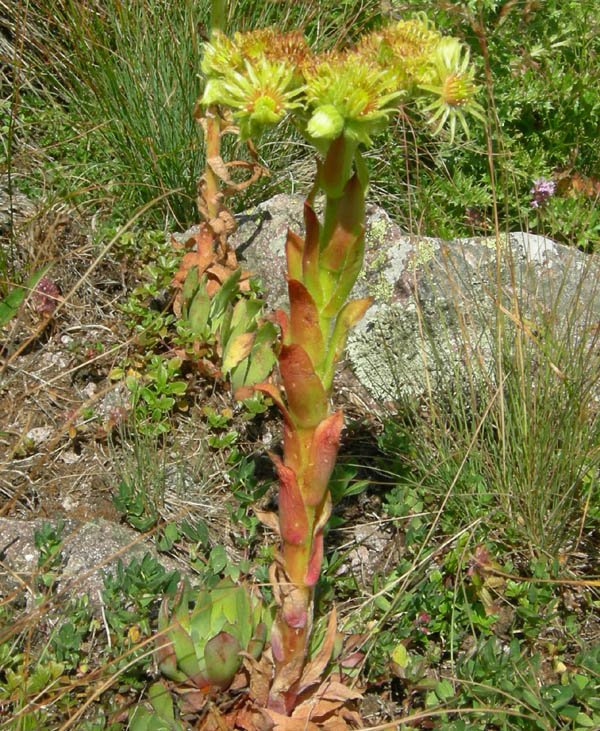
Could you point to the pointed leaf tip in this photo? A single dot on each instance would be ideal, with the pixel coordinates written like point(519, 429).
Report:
point(222, 658)
point(304, 322)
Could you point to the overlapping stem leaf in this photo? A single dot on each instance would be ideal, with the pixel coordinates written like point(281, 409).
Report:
point(322, 268)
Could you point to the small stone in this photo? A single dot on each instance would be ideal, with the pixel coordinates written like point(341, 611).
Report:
point(69, 504)
point(90, 389)
point(39, 434)
point(69, 457)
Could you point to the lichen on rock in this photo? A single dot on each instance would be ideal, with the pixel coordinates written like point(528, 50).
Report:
point(435, 310)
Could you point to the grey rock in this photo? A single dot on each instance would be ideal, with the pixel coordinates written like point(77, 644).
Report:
point(89, 549)
point(372, 551)
point(434, 310)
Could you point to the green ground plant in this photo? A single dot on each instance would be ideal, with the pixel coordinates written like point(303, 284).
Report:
point(9, 306)
point(224, 336)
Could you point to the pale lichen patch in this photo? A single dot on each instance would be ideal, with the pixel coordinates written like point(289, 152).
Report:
point(424, 250)
point(491, 242)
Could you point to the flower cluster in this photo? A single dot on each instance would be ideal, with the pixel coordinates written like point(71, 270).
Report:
point(541, 191)
point(257, 74)
point(264, 75)
point(346, 94)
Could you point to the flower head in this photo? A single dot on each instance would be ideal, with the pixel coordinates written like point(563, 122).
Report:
point(277, 47)
point(345, 93)
point(220, 56)
point(224, 56)
point(257, 74)
point(260, 95)
point(406, 48)
point(453, 86)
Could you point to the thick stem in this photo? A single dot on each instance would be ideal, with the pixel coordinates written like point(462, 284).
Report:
point(217, 15)
point(294, 619)
point(305, 503)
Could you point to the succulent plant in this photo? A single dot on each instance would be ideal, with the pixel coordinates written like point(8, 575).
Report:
point(246, 342)
point(163, 717)
point(338, 101)
point(200, 641)
point(202, 313)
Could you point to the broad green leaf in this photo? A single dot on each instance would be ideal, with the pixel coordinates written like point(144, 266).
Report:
point(531, 699)
point(185, 651)
point(222, 658)
point(262, 361)
point(200, 618)
point(224, 296)
point(178, 388)
point(444, 689)
point(225, 328)
point(400, 655)
point(244, 313)
point(238, 375)
point(190, 285)
point(238, 349)
point(199, 308)
point(218, 559)
point(161, 700)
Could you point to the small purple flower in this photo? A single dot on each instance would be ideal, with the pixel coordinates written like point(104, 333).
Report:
point(541, 191)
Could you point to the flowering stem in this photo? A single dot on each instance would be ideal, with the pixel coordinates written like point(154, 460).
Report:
point(322, 269)
point(213, 121)
point(338, 101)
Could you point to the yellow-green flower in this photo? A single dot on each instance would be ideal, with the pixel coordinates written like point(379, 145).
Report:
point(277, 47)
point(261, 95)
point(407, 48)
point(453, 86)
point(220, 56)
point(345, 93)
point(264, 74)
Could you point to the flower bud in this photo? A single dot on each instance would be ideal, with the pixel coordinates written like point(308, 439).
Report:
point(325, 123)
